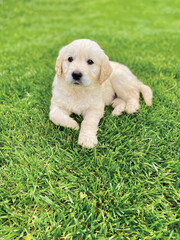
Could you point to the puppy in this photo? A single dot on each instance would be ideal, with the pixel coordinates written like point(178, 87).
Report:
point(85, 82)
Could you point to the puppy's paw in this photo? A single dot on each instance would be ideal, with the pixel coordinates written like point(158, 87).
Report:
point(119, 106)
point(72, 124)
point(117, 111)
point(87, 141)
point(132, 107)
point(64, 121)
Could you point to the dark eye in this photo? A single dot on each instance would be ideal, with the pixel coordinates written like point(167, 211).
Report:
point(70, 59)
point(90, 62)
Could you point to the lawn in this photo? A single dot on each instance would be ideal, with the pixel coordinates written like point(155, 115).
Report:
point(128, 186)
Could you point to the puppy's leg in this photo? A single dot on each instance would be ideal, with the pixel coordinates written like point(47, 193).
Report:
point(61, 117)
point(119, 106)
point(126, 87)
point(89, 127)
point(132, 105)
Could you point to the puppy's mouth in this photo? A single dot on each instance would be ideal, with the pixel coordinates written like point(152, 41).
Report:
point(77, 83)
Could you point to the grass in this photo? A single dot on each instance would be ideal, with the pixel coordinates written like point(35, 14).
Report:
point(128, 186)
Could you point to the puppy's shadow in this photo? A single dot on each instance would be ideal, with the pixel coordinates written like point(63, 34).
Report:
point(77, 118)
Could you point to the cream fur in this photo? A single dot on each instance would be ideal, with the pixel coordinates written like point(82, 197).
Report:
point(103, 83)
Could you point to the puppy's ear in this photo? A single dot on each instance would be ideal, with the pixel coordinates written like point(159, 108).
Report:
point(58, 66)
point(105, 70)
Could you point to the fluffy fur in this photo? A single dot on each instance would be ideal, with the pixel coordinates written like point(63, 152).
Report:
point(102, 83)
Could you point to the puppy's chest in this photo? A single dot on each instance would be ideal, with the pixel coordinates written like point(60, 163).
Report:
point(76, 103)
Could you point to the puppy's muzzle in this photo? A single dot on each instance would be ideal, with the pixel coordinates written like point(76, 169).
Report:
point(77, 75)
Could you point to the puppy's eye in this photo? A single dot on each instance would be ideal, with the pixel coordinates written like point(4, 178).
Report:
point(90, 62)
point(70, 59)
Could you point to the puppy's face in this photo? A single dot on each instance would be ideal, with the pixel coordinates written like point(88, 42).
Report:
point(83, 63)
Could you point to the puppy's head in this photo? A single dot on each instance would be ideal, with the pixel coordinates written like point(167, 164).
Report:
point(83, 63)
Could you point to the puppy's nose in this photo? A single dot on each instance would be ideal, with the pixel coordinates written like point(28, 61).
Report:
point(76, 75)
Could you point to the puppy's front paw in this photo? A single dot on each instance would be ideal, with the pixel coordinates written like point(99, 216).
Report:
point(64, 121)
point(87, 141)
point(72, 124)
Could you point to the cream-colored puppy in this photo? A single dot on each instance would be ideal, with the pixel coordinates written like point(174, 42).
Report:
point(85, 82)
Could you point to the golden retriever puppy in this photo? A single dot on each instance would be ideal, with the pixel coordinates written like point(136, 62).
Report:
point(85, 82)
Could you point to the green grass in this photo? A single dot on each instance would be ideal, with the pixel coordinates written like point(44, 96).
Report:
point(128, 186)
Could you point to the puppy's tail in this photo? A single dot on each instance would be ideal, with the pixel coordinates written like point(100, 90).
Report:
point(147, 93)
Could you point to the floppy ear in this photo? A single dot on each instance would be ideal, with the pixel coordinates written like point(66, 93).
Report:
point(105, 70)
point(58, 66)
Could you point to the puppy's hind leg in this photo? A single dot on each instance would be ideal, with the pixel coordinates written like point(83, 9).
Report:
point(132, 105)
point(119, 106)
point(125, 85)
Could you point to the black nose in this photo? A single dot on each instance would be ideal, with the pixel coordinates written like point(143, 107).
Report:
point(76, 75)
